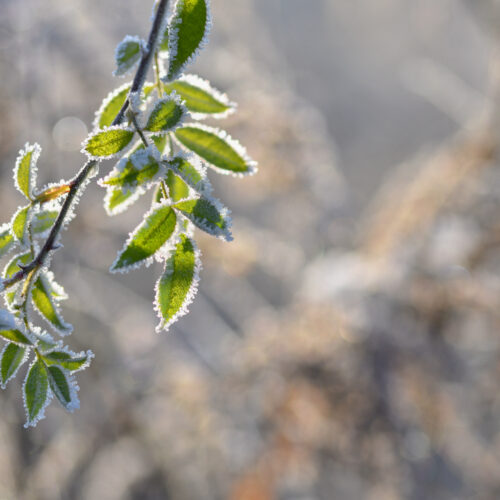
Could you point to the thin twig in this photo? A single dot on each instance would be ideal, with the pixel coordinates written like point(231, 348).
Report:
point(83, 174)
point(145, 63)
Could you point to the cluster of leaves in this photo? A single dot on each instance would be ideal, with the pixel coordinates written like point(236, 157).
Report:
point(161, 147)
point(53, 365)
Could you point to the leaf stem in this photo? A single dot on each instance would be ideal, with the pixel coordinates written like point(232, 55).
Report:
point(83, 174)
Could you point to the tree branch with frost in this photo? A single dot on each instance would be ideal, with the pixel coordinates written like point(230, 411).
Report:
point(171, 155)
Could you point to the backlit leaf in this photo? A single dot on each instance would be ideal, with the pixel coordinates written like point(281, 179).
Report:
point(36, 393)
point(68, 360)
point(191, 172)
point(46, 304)
point(200, 98)
point(7, 242)
point(216, 148)
point(177, 286)
point(177, 188)
point(10, 330)
point(11, 359)
point(20, 223)
point(187, 33)
point(43, 221)
point(25, 169)
point(148, 238)
point(111, 105)
point(135, 170)
point(64, 387)
point(166, 115)
point(208, 215)
point(127, 54)
point(108, 142)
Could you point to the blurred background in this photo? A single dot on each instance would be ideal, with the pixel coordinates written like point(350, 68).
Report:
point(346, 345)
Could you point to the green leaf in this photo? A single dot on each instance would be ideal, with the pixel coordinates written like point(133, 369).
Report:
point(216, 148)
point(177, 188)
point(69, 361)
point(43, 221)
point(108, 142)
point(25, 169)
point(137, 169)
point(177, 286)
point(111, 106)
point(208, 215)
point(20, 223)
point(127, 54)
point(166, 115)
point(199, 97)
point(116, 201)
point(7, 242)
point(15, 336)
point(191, 172)
point(45, 303)
point(11, 359)
point(160, 142)
point(36, 393)
point(12, 268)
point(187, 32)
point(63, 387)
point(9, 329)
point(147, 239)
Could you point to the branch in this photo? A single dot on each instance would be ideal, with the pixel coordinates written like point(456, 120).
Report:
point(81, 177)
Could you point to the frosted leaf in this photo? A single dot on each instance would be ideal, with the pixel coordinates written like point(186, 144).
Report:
point(12, 268)
point(176, 288)
point(111, 106)
point(140, 168)
point(13, 356)
point(71, 361)
point(107, 143)
point(43, 221)
point(26, 169)
point(148, 238)
point(190, 169)
point(36, 393)
point(7, 242)
point(116, 201)
point(188, 30)
point(160, 141)
point(45, 301)
point(217, 148)
point(15, 335)
point(12, 331)
point(128, 53)
point(20, 222)
point(167, 114)
point(208, 215)
point(64, 387)
point(200, 98)
point(177, 188)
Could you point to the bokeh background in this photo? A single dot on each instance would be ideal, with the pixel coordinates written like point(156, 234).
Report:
point(346, 345)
